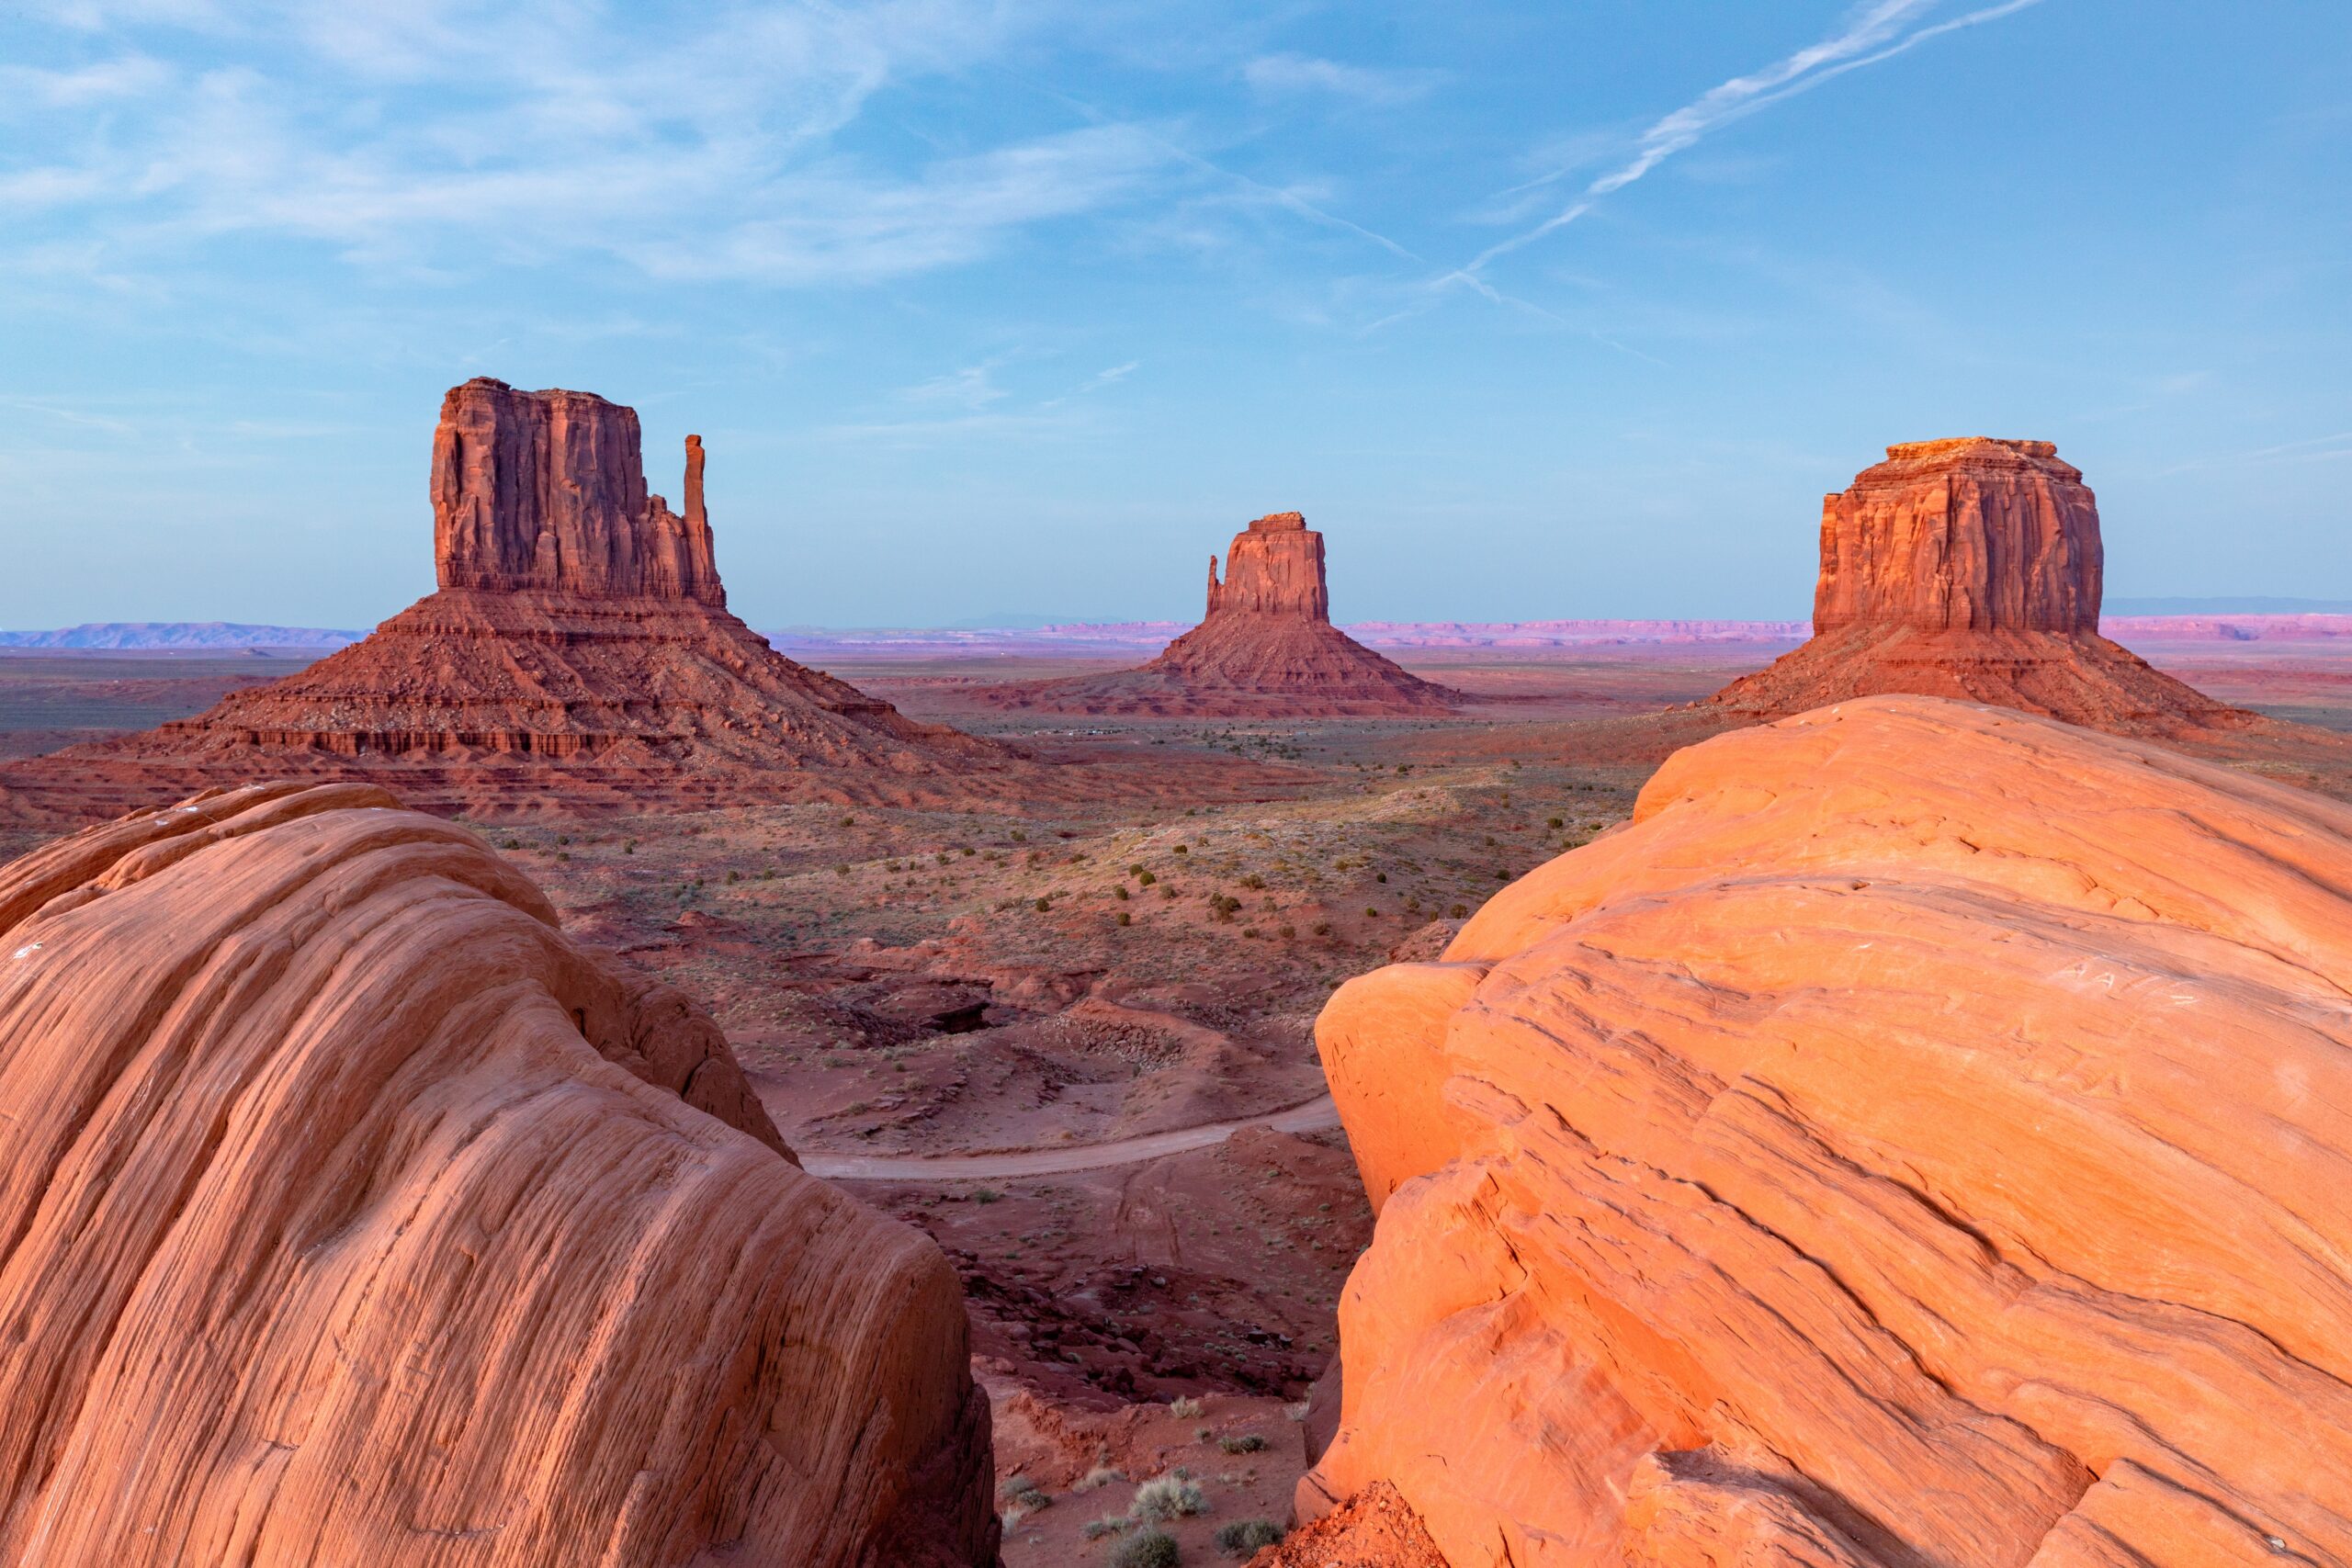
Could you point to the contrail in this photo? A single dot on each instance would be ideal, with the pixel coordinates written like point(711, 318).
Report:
point(1865, 41)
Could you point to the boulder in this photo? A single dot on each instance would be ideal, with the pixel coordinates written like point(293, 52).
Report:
point(1914, 1141)
point(356, 1216)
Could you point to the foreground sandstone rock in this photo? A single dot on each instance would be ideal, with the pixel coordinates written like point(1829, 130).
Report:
point(356, 1216)
point(1266, 648)
point(1917, 1139)
point(579, 650)
point(1971, 569)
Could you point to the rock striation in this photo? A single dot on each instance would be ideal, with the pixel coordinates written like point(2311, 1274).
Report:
point(1970, 568)
point(546, 491)
point(1265, 648)
point(579, 648)
point(356, 1215)
point(1911, 1143)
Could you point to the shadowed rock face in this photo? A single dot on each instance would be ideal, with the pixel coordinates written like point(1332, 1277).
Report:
point(546, 491)
point(1914, 1141)
point(1970, 568)
point(356, 1216)
point(1266, 648)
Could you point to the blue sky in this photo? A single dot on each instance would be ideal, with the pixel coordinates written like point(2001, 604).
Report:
point(1554, 308)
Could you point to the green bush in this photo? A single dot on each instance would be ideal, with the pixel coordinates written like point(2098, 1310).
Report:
point(1152, 1548)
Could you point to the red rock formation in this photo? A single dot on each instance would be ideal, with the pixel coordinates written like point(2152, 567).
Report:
point(1913, 1140)
point(356, 1216)
point(1266, 648)
point(546, 491)
point(579, 648)
point(1970, 568)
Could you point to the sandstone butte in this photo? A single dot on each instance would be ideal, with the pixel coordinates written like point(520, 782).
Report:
point(1971, 569)
point(1917, 1140)
point(1266, 648)
point(579, 645)
point(356, 1216)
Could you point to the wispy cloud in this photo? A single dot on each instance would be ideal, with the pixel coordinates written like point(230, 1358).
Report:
point(1277, 75)
point(971, 387)
point(1876, 31)
point(421, 134)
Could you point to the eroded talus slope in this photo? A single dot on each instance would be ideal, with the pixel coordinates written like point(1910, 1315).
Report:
point(1917, 1139)
point(353, 1216)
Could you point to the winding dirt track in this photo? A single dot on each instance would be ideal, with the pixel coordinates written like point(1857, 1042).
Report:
point(1311, 1117)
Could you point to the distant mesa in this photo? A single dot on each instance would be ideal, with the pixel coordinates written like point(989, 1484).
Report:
point(1970, 568)
point(357, 1216)
point(178, 637)
point(1913, 1140)
point(1266, 648)
point(579, 647)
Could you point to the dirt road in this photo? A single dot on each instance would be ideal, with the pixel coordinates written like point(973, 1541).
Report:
point(1313, 1116)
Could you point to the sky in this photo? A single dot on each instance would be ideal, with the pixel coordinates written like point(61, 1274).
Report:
point(989, 308)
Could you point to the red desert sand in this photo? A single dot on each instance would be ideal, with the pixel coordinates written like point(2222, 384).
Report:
point(1970, 568)
point(356, 1216)
point(1265, 649)
point(1916, 1138)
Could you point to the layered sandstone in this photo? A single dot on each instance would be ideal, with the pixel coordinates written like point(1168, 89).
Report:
point(546, 491)
point(1913, 1140)
point(1970, 568)
point(1265, 648)
point(579, 648)
point(356, 1215)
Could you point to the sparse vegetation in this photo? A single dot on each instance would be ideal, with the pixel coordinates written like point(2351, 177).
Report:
point(1168, 1497)
point(1242, 1536)
point(1246, 1443)
point(1152, 1548)
point(1184, 1408)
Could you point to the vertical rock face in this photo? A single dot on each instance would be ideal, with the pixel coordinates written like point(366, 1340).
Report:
point(1913, 1143)
point(546, 491)
point(1968, 535)
point(356, 1216)
point(1275, 567)
point(1970, 568)
point(1266, 648)
point(579, 651)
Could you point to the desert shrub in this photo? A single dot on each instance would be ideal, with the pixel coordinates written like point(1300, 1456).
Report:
point(1223, 906)
point(840, 870)
point(1183, 849)
point(1184, 1408)
point(1152, 1548)
point(987, 1195)
point(1126, 918)
point(1242, 1536)
point(1168, 893)
point(1144, 878)
point(1018, 837)
point(1120, 892)
point(1246, 1443)
point(1460, 911)
point(1100, 1476)
point(1167, 1497)
point(1322, 928)
point(1369, 913)
point(1555, 823)
point(849, 821)
point(1043, 904)
point(1109, 1524)
point(1382, 876)
point(1254, 882)
point(1290, 930)
point(969, 849)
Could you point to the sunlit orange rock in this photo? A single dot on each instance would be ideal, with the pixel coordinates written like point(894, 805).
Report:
point(1970, 568)
point(1917, 1139)
point(356, 1216)
point(1265, 648)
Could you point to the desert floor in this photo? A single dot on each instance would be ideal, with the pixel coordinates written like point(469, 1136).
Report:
point(1074, 1044)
